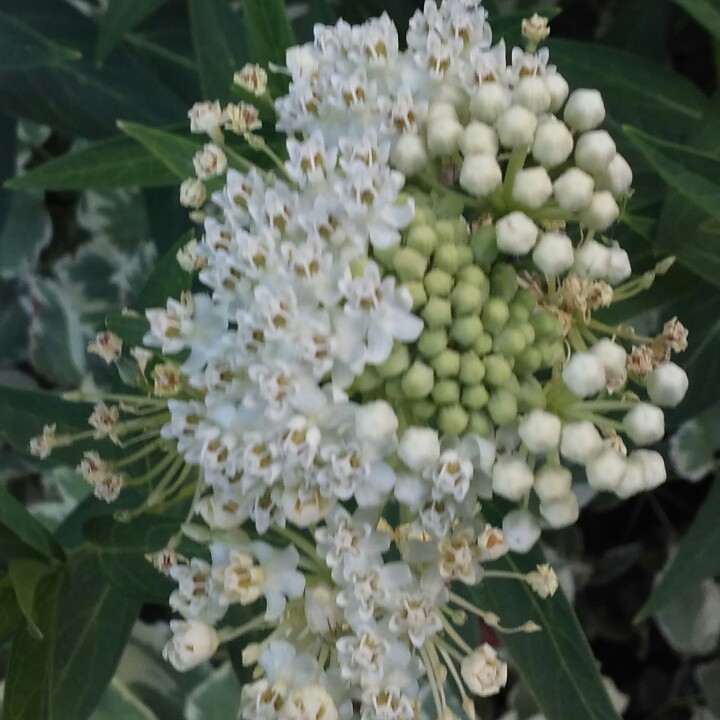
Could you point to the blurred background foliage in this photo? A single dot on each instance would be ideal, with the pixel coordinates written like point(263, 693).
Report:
point(93, 144)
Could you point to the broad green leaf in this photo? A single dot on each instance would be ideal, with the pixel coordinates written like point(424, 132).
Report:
point(121, 17)
point(167, 280)
point(696, 558)
point(220, 46)
point(174, 151)
point(26, 233)
point(23, 48)
point(556, 664)
point(706, 12)
point(26, 575)
point(217, 698)
point(10, 615)
point(119, 703)
point(119, 162)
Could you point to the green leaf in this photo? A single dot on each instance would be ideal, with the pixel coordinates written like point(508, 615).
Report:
point(167, 280)
point(119, 703)
point(118, 162)
point(26, 233)
point(26, 575)
point(10, 615)
point(696, 558)
point(217, 698)
point(174, 151)
point(121, 17)
point(130, 327)
point(220, 46)
point(556, 664)
point(706, 12)
point(23, 48)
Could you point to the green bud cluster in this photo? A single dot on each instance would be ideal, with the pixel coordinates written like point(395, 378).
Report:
point(485, 338)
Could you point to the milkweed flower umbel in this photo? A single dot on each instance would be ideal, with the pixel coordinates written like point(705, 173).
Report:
point(400, 320)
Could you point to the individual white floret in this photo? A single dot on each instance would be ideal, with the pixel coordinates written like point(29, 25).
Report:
point(580, 441)
point(532, 92)
point(540, 431)
point(562, 512)
point(644, 424)
point(489, 101)
point(552, 482)
point(409, 154)
point(521, 530)
point(602, 212)
point(480, 175)
point(553, 142)
point(443, 135)
point(667, 384)
point(558, 88)
point(606, 469)
point(511, 478)
point(584, 374)
point(592, 260)
point(376, 424)
point(619, 268)
point(618, 176)
point(594, 151)
point(585, 110)
point(554, 253)
point(613, 357)
point(419, 448)
point(483, 672)
point(574, 190)
point(532, 187)
point(478, 139)
point(654, 470)
point(516, 234)
point(516, 127)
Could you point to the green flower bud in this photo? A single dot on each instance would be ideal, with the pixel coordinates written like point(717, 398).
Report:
point(528, 362)
point(447, 257)
point(417, 293)
point(510, 342)
point(367, 380)
point(462, 231)
point(512, 385)
point(437, 313)
point(446, 392)
point(423, 215)
point(397, 363)
point(466, 330)
point(357, 267)
point(447, 363)
point(503, 282)
point(409, 264)
point(445, 230)
point(518, 312)
point(422, 238)
point(545, 325)
point(472, 369)
point(453, 420)
point(495, 315)
point(480, 424)
point(483, 345)
point(465, 255)
point(551, 352)
point(472, 275)
point(497, 370)
point(438, 282)
point(385, 255)
point(432, 342)
point(466, 299)
point(484, 246)
point(525, 298)
point(531, 395)
point(502, 407)
point(475, 397)
point(418, 381)
point(423, 410)
point(394, 391)
point(528, 332)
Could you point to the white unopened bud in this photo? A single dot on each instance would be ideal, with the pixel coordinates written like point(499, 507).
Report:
point(192, 643)
point(453, 93)
point(516, 127)
point(443, 135)
point(480, 174)
point(667, 384)
point(619, 268)
point(483, 672)
point(441, 109)
point(558, 88)
point(532, 187)
point(612, 356)
point(209, 162)
point(606, 469)
point(594, 151)
point(584, 374)
point(479, 139)
point(644, 424)
point(376, 424)
point(192, 193)
point(540, 431)
point(633, 479)
point(511, 478)
point(409, 154)
point(205, 117)
point(489, 101)
point(419, 448)
point(602, 212)
point(532, 92)
point(580, 441)
point(554, 253)
point(618, 176)
point(654, 471)
point(322, 613)
point(552, 482)
point(585, 110)
point(592, 260)
point(553, 143)
point(521, 530)
point(562, 512)
point(574, 190)
point(516, 234)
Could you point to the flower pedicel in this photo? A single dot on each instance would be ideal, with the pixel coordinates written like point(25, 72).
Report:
point(399, 323)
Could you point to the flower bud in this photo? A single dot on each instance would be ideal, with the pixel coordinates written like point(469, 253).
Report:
point(516, 127)
point(618, 176)
point(644, 424)
point(441, 108)
point(516, 233)
point(438, 282)
point(397, 362)
point(483, 345)
point(552, 482)
point(484, 246)
point(443, 135)
point(606, 469)
point(453, 420)
point(466, 298)
point(409, 264)
point(580, 441)
point(432, 342)
point(602, 212)
point(528, 362)
point(584, 374)
point(497, 370)
point(475, 396)
point(594, 151)
point(483, 672)
point(209, 162)
point(558, 88)
point(532, 187)
point(376, 423)
point(654, 471)
point(554, 253)
point(447, 257)
point(585, 110)
point(633, 480)
point(472, 369)
point(423, 410)
point(553, 143)
point(562, 512)
point(409, 154)
point(612, 356)
point(667, 384)
point(510, 342)
point(540, 431)
point(466, 330)
point(532, 93)
point(480, 425)
point(192, 193)
point(417, 294)
point(573, 190)
point(437, 313)
point(520, 529)
point(446, 392)
point(480, 175)
point(422, 238)
point(592, 260)
point(447, 363)
point(489, 101)
point(619, 268)
point(419, 448)
point(479, 139)
point(502, 407)
point(192, 643)
point(418, 381)
point(504, 281)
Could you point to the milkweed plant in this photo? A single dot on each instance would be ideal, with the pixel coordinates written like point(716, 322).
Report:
point(393, 327)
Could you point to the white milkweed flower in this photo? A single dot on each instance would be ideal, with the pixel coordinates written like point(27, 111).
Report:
point(543, 580)
point(483, 672)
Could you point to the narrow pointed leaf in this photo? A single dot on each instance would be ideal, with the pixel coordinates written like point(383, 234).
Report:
point(121, 17)
point(706, 12)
